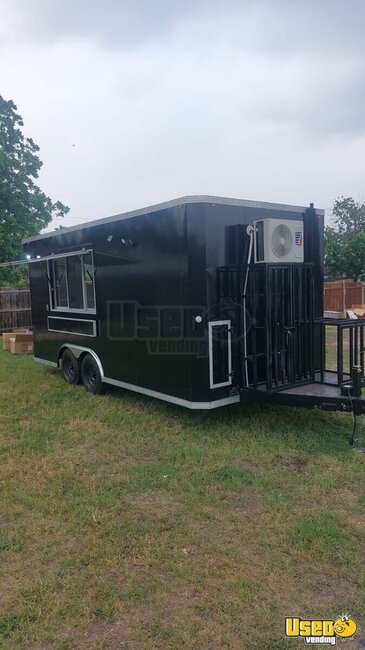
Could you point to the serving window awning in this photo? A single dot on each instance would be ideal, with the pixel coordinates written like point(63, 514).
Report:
point(45, 258)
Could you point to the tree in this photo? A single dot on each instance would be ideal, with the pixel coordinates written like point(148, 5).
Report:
point(24, 209)
point(345, 239)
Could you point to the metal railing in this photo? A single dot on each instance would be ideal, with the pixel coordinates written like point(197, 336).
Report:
point(347, 351)
point(272, 306)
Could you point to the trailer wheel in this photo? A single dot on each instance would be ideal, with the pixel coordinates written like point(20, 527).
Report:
point(91, 377)
point(70, 368)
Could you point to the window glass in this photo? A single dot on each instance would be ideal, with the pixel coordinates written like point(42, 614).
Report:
point(60, 281)
point(72, 281)
point(89, 280)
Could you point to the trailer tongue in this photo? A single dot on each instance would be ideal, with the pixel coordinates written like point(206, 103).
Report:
point(324, 396)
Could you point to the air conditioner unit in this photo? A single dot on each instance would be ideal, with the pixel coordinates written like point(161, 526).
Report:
point(278, 241)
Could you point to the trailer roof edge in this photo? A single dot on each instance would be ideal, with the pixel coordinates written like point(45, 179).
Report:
point(173, 203)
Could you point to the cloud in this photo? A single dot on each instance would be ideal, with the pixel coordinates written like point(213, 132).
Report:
point(251, 99)
point(112, 23)
point(283, 26)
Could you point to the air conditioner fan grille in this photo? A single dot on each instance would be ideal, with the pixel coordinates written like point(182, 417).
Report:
point(281, 240)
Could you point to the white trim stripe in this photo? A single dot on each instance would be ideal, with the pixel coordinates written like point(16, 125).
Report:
point(45, 362)
point(219, 200)
point(225, 401)
point(171, 398)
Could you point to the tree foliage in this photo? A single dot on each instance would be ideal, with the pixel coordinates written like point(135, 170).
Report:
point(345, 239)
point(24, 209)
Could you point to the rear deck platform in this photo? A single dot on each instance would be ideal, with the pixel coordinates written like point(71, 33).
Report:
point(325, 396)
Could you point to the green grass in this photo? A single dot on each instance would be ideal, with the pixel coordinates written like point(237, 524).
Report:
point(331, 349)
point(130, 523)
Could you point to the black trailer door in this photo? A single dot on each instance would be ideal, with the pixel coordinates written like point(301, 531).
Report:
point(289, 309)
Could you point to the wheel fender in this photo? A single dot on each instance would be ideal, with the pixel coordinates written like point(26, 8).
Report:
point(78, 351)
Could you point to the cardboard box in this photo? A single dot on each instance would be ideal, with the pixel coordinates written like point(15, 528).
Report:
point(6, 340)
point(21, 344)
point(360, 313)
point(8, 335)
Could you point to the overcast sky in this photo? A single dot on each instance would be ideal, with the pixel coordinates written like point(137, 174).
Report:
point(250, 99)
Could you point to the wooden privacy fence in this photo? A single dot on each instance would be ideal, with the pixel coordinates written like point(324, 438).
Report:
point(15, 303)
point(342, 295)
point(14, 309)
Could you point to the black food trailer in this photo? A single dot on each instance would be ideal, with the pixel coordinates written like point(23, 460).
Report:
point(201, 301)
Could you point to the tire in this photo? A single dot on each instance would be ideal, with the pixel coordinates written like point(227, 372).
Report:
point(91, 377)
point(70, 368)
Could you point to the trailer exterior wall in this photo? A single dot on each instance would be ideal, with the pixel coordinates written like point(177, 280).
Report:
point(152, 272)
point(226, 243)
point(171, 261)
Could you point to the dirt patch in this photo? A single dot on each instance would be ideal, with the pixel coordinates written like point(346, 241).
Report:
point(8, 522)
point(294, 464)
point(115, 634)
point(358, 521)
point(244, 463)
point(155, 503)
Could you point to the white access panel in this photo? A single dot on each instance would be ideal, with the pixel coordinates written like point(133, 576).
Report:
point(211, 326)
